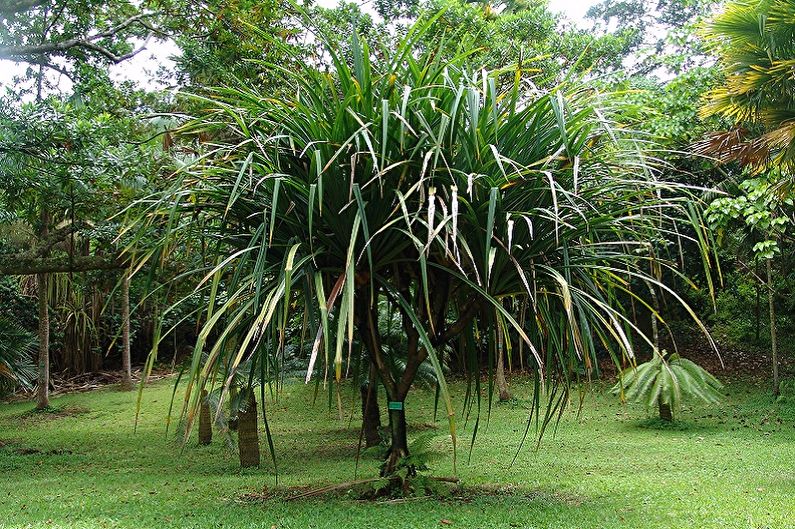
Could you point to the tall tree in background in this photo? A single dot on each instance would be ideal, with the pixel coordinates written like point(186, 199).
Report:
point(62, 37)
point(61, 160)
point(755, 46)
point(660, 35)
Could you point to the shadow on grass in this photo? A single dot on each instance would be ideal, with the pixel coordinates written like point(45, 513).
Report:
point(679, 425)
point(50, 413)
point(452, 492)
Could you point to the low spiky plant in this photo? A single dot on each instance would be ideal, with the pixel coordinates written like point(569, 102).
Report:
point(664, 381)
point(17, 348)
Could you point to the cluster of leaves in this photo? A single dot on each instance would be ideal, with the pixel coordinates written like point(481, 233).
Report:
point(660, 36)
point(667, 380)
point(759, 209)
point(16, 350)
point(754, 43)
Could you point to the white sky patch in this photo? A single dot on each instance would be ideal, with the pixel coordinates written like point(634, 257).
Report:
point(574, 10)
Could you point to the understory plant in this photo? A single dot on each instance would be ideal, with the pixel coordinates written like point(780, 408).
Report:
point(17, 350)
point(665, 381)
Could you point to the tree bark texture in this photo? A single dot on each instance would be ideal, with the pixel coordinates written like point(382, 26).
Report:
point(371, 413)
point(773, 333)
point(398, 448)
point(666, 413)
point(43, 390)
point(205, 421)
point(247, 436)
point(502, 383)
point(126, 381)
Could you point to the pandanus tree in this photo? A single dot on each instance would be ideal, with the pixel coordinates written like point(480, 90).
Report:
point(399, 179)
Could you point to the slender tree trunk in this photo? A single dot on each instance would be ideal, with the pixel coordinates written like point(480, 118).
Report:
point(205, 421)
point(368, 322)
point(371, 413)
point(665, 412)
point(773, 335)
point(757, 310)
point(233, 417)
point(655, 330)
point(126, 381)
point(502, 384)
point(43, 392)
point(247, 436)
point(398, 448)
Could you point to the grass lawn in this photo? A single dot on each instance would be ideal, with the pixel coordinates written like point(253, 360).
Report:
point(731, 465)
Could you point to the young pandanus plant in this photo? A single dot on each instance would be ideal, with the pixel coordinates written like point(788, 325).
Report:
point(665, 381)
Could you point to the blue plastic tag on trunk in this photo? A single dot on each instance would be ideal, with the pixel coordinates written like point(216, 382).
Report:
point(394, 405)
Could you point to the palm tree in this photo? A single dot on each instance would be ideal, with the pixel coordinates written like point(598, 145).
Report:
point(406, 181)
point(754, 43)
point(664, 381)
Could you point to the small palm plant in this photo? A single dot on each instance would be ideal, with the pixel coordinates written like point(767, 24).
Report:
point(664, 381)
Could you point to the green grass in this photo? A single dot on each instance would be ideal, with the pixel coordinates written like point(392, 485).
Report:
point(731, 465)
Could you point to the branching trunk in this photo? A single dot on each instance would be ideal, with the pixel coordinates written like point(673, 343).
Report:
point(126, 381)
point(773, 334)
point(43, 392)
point(247, 436)
point(367, 310)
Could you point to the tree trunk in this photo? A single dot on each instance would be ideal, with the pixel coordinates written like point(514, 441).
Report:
point(502, 384)
point(665, 412)
point(757, 310)
point(126, 381)
point(371, 414)
point(655, 331)
point(205, 421)
point(773, 335)
point(43, 391)
point(42, 280)
point(233, 417)
point(399, 447)
point(247, 436)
